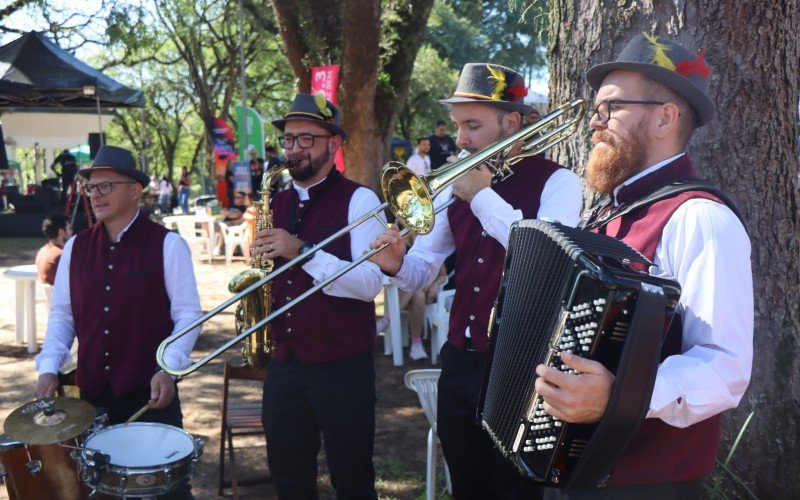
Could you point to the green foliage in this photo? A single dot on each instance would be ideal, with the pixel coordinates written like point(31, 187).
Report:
point(433, 79)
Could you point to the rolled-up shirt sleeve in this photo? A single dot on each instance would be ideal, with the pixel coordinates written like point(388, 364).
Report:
point(181, 286)
point(364, 281)
point(707, 249)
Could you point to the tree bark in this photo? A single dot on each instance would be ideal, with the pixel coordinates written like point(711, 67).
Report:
point(749, 151)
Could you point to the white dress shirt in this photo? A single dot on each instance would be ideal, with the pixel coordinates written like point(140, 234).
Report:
point(181, 288)
point(706, 248)
point(561, 200)
point(364, 281)
point(420, 165)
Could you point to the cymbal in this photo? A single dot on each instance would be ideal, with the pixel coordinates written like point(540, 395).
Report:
point(49, 420)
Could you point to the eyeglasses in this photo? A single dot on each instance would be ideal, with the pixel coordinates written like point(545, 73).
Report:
point(305, 141)
point(604, 109)
point(104, 188)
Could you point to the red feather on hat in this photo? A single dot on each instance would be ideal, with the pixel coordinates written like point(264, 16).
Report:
point(518, 91)
point(698, 65)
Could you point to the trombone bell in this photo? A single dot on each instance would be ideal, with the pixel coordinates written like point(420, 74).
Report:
point(408, 196)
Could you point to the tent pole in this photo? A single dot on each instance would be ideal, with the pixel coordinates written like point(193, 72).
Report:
point(99, 117)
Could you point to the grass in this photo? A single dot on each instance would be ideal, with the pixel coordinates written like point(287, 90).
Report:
point(725, 484)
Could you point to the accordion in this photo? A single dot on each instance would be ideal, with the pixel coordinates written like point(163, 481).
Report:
point(566, 289)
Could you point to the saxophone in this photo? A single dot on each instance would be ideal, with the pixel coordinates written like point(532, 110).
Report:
point(259, 345)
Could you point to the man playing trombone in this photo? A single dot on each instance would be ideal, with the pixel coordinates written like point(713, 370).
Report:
point(487, 106)
point(321, 378)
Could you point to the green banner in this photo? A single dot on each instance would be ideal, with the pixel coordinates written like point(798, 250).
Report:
point(255, 132)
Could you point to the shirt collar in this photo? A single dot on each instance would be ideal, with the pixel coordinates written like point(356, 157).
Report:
point(125, 229)
point(302, 192)
point(644, 172)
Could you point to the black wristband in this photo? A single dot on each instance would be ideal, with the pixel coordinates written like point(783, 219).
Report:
point(303, 250)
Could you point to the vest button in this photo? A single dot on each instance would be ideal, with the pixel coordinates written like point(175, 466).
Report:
point(288, 330)
point(112, 247)
point(480, 260)
point(300, 205)
point(107, 368)
point(107, 354)
point(288, 299)
point(108, 287)
point(472, 317)
point(106, 331)
point(111, 266)
point(288, 282)
point(483, 233)
point(288, 315)
point(106, 309)
point(476, 289)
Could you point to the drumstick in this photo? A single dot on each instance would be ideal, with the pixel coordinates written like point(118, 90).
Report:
point(138, 413)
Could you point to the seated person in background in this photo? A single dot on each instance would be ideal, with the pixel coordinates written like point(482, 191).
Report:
point(414, 304)
point(234, 215)
point(58, 230)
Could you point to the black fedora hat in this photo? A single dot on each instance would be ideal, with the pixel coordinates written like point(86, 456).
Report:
point(493, 85)
point(119, 160)
point(668, 63)
point(313, 108)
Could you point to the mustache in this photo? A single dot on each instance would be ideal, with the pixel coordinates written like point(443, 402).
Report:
point(603, 136)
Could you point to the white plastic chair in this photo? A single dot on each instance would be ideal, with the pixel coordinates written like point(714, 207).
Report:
point(425, 383)
point(234, 236)
point(198, 242)
point(437, 318)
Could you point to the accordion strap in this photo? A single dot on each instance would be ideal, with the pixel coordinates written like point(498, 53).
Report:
point(670, 190)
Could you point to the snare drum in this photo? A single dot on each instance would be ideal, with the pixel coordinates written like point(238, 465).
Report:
point(144, 459)
point(57, 479)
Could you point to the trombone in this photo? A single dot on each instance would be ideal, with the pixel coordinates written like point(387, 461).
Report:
point(410, 198)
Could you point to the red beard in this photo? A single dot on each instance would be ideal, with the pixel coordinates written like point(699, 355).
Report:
point(615, 161)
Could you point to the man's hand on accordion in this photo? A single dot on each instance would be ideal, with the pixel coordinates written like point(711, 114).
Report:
point(576, 398)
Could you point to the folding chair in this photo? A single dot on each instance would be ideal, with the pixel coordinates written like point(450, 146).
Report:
point(437, 319)
point(425, 384)
point(238, 419)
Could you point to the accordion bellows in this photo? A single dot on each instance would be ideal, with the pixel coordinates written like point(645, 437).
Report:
point(569, 289)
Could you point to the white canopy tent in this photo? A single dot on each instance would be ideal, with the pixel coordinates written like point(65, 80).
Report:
point(49, 132)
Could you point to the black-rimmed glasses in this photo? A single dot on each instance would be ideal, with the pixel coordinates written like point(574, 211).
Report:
point(604, 109)
point(305, 141)
point(104, 188)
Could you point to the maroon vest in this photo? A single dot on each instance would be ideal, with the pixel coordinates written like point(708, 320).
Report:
point(320, 328)
point(479, 257)
point(660, 452)
point(120, 306)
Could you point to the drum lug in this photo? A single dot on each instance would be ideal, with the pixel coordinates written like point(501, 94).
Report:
point(34, 467)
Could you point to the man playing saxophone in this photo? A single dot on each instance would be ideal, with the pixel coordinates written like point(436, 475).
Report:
point(320, 379)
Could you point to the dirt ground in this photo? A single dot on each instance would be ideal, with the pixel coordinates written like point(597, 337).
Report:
point(401, 428)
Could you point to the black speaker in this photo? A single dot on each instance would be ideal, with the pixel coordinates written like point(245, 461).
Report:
point(95, 143)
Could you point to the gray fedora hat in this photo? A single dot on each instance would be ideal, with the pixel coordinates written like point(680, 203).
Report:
point(119, 160)
point(313, 108)
point(491, 84)
point(668, 63)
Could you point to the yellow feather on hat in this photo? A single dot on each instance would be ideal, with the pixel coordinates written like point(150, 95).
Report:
point(500, 82)
point(322, 104)
point(660, 56)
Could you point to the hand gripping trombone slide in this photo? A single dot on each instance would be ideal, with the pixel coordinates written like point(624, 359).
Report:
point(410, 199)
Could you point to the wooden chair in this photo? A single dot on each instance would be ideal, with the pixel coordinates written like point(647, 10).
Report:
point(238, 419)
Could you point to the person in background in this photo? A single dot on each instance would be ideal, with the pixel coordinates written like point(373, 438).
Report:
point(164, 195)
point(420, 162)
point(57, 229)
point(184, 189)
point(442, 146)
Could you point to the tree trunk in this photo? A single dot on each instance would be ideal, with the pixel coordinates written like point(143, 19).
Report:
point(748, 151)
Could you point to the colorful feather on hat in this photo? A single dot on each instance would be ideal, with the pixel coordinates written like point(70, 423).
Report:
point(322, 104)
point(660, 56)
point(500, 82)
point(517, 92)
point(697, 65)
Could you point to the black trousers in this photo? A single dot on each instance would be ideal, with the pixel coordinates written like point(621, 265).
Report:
point(119, 410)
point(335, 399)
point(477, 469)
